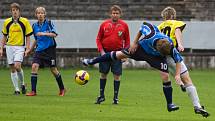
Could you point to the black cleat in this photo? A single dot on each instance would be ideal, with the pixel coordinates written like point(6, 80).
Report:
point(115, 101)
point(172, 107)
point(100, 99)
point(24, 90)
point(183, 88)
point(201, 111)
point(17, 93)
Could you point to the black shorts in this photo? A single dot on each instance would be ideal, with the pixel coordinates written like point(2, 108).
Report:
point(45, 58)
point(157, 62)
point(115, 66)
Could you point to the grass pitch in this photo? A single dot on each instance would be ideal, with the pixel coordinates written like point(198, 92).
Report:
point(140, 98)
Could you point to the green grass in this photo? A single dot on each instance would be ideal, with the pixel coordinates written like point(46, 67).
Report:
point(141, 98)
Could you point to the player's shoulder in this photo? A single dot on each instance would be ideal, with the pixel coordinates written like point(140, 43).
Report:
point(23, 19)
point(7, 20)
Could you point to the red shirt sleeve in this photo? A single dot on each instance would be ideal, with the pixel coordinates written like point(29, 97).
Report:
point(99, 38)
point(127, 37)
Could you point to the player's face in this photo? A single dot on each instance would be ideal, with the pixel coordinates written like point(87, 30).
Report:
point(40, 15)
point(115, 15)
point(15, 13)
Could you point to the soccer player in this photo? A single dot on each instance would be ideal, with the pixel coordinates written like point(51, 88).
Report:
point(173, 28)
point(16, 30)
point(45, 53)
point(113, 35)
point(152, 46)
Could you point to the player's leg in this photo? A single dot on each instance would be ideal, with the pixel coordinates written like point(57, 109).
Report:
point(161, 64)
point(104, 68)
point(59, 80)
point(18, 58)
point(116, 69)
point(34, 71)
point(172, 69)
point(10, 59)
point(167, 90)
point(192, 93)
point(14, 79)
point(110, 56)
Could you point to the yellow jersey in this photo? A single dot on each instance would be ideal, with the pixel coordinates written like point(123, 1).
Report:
point(168, 27)
point(16, 31)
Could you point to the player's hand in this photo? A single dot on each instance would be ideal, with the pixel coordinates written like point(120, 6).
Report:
point(27, 52)
point(180, 48)
point(1, 52)
point(178, 80)
point(40, 34)
point(133, 48)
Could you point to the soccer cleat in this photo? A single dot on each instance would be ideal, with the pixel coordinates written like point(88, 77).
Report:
point(85, 62)
point(115, 101)
point(183, 88)
point(32, 93)
point(172, 107)
point(24, 90)
point(62, 92)
point(16, 92)
point(201, 111)
point(100, 99)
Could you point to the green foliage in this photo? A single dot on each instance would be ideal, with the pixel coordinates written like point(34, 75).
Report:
point(141, 98)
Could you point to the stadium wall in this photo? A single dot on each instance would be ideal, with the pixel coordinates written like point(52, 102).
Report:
point(76, 40)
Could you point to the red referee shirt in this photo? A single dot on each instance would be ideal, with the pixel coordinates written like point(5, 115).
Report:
point(113, 36)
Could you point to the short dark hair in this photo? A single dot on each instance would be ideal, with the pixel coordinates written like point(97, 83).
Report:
point(115, 8)
point(15, 5)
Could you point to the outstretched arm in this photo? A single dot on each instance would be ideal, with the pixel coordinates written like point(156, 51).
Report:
point(178, 35)
point(134, 45)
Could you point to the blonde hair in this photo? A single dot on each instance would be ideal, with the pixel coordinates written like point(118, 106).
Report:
point(163, 46)
point(40, 8)
point(168, 13)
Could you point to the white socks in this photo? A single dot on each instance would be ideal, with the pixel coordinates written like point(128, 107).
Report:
point(21, 77)
point(14, 79)
point(192, 93)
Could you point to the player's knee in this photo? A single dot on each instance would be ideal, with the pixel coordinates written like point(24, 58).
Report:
point(164, 75)
point(103, 76)
point(116, 77)
point(35, 68)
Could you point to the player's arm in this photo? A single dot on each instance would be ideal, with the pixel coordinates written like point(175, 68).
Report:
point(3, 42)
point(49, 34)
point(178, 35)
point(134, 45)
point(98, 40)
point(127, 37)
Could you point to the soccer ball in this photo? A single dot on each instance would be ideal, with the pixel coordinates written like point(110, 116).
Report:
point(82, 77)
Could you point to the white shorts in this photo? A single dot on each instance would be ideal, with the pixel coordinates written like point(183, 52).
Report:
point(15, 54)
point(172, 68)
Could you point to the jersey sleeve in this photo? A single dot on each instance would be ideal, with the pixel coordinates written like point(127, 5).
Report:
point(180, 24)
point(4, 29)
point(176, 55)
point(29, 30)
point(52, 28)
point(127, 37)
point(99, 38)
